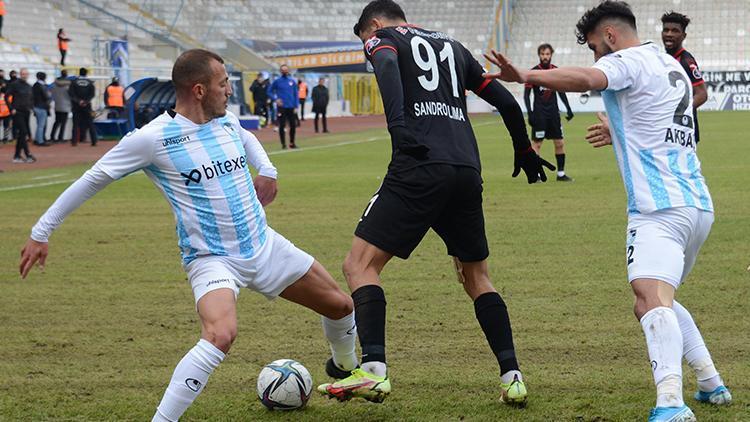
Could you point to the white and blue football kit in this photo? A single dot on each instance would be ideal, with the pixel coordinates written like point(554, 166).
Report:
point(649, 105)
point(202, 171)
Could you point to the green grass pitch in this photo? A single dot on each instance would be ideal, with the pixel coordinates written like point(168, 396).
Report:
point(96, 336)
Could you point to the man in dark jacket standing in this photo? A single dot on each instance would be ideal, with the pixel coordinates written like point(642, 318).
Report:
point(320, 103)
point(41, 108)
point(82, 91)
point(284, 90)
point(20, 107)
point(260, 97)
point(61, 97)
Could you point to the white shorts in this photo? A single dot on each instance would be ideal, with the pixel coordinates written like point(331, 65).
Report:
point(276, 266)
point(663, 245)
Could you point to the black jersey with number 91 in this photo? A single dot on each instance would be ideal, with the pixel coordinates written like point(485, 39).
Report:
point(435, 71)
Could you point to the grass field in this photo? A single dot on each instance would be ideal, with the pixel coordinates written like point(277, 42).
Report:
point(97, 335)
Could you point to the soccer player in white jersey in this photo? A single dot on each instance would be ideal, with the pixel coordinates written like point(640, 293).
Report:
point(648, 98)
point(197, 155)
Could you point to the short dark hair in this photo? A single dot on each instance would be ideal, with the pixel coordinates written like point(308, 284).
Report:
point(607, 9)
point(83, 72)
point(193, 66)
point(388, 9)
point(63, 73)
point(41, 75)
point(545, 46)
point(678, 18)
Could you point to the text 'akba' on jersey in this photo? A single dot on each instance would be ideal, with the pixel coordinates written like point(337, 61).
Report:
point(435, 72)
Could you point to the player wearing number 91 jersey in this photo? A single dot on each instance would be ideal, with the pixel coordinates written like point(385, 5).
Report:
point(433, 182)
point(648, 100)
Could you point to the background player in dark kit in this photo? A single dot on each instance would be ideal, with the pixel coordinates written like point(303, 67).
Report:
point(544, 117)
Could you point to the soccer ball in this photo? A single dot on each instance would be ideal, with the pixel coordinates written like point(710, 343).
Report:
point(284, 384)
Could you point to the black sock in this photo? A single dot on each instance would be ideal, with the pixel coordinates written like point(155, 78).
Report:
point(369, 313)
point(493, 317)
point(560, 162)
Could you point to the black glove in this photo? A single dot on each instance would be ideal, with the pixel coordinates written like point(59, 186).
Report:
point(404, 140)
point(569, 116)
point(531, 164)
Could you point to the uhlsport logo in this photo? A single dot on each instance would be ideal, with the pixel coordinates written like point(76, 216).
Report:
point(216, 168)
point(175, 140)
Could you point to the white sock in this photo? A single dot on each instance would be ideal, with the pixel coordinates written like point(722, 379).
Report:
point(342, 336)
point(695, 351)
point(507, 377)
point(560, 173)
point(188, 380)
point(375, 368)
point(664, 342)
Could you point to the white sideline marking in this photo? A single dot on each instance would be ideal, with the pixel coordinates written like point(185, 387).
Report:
point(36, 185)
point(340, 144)
point(51, 176)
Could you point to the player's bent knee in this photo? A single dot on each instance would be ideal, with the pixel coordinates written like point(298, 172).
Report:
point(341, 306)
point(221, 336)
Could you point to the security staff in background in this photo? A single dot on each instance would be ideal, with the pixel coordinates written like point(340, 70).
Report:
point(302, 97)
point(320, 103)
point(62, 45)
point(61, 98)
point(286, 95)
point(260, 98)
point(114, 98)
point(21, 102)
point(82, 92)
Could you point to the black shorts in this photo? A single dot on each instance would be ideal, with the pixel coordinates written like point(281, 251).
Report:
point(548, 127)
point(444, 197)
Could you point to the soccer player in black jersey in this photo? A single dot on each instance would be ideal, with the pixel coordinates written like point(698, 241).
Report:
point(544, 117)
point(433, 181)
point(673, 35)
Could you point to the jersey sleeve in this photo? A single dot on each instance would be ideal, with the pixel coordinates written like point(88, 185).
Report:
point(256, 155)
point(691, 68)
point(474, 79)
point(134, 152)
point(378, 42)
point(619, 70)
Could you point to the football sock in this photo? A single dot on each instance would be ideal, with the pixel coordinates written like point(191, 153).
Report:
point(369, 312)
point(560, 158)
point(492, 315)
point(664, 342)
point(695, 351)
point(342, 336)
point(188, 380)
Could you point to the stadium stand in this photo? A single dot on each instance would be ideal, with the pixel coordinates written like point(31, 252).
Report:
point(31, 40)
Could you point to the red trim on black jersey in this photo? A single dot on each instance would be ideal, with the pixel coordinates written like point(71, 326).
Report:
point(382, 47)
point(483, 86)
point(700, 82)
point(678, 53)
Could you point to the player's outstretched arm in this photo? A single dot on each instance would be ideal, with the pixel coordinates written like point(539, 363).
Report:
point(74, 196)
point(567, 79)
point(598, 135)
point(564, 99)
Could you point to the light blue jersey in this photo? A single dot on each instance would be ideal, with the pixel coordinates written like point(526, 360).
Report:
point(202, 170)
point(649, 103)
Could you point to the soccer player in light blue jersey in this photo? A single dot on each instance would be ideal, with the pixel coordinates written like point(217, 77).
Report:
point(198, 156)
point(648, 99)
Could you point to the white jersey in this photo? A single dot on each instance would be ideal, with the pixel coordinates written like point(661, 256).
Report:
point(649, 102)
point(202, 170)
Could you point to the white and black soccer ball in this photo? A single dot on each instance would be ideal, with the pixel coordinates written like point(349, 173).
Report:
point(284, 384)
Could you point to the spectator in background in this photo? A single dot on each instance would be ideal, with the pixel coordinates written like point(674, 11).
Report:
point(286, 95)
point(22, 101)
point(114, 97)
point(12, 76)
point(4, 116)
point(302, 97)
point(41, 108)
point(62, 45)
point(61, 97)
point(3, 81)
point(2, 16)
point(260, 97)
point(320, 103)
point(82, 91)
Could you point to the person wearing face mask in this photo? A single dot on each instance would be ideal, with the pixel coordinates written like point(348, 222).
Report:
point(285, 93)
point(21, 103)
